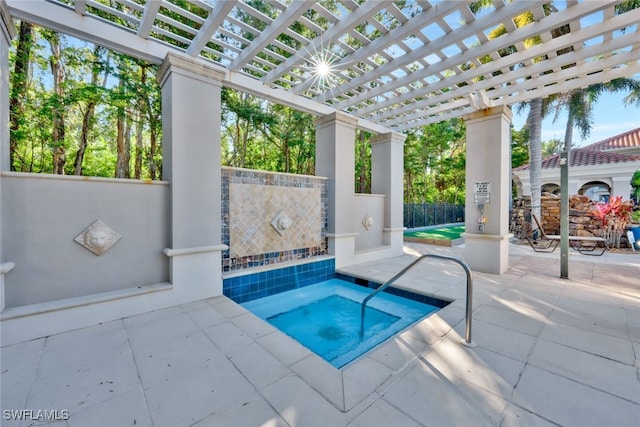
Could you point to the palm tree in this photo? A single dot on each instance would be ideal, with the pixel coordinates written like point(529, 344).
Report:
point(537, 107)
point(579, 104)
point(534, 123)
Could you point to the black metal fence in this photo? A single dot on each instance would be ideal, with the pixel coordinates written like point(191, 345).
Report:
point(425, 214)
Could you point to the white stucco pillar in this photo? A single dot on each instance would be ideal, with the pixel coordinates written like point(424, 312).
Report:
point(335, 159)
point(7, 33)
point(621, 187)
point(387, 163)
point(488, 180)
point(191, 163)
point(573, 186)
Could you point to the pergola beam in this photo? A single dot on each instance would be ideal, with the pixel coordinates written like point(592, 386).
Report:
point(243, 83)
point(552, 21)
point(545, 87)
point(211, 24)
point(64, 20)
point(282, 22)
point(404, 68)
point(329, 36)
point(399, 33)
point(148, 17)
point(556, 63)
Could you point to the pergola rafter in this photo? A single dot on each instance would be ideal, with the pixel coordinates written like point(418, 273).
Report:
point(437, 45)
point(398, 65)
point(556, 63)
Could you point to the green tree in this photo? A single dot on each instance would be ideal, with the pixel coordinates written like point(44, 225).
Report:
point(434, 163)
point(64, 99)
point(291, 135)
point(57, 101)
point(635, 186)
point(519, 147)
point(551, 147)
point(363, 162)
point(245, 120)
point(579, 105)
point(19, 86)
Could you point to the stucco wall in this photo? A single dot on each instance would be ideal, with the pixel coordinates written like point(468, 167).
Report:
point(368, 207)
point(42, 214)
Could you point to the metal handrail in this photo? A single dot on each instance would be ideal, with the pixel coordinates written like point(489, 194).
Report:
point(467, 336)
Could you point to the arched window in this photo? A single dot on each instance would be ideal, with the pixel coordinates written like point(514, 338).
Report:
point(596, 190)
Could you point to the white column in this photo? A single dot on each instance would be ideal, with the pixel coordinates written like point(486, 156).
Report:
point(488, 162)
point(621, 187)
point(573, 186)
point(335, 159)
point(7, 33)
point(191, 163)
point(387, 163)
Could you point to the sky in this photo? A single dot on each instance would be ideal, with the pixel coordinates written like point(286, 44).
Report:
point(611, 117)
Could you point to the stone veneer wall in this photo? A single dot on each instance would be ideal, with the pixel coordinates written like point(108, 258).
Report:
point(582, 221)
point(270, 218)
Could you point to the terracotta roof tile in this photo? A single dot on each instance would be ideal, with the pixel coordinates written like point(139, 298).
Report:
point(630, 139)
point(597, 153)
point(585, 157)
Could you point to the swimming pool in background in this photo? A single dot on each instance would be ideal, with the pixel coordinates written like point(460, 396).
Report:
point(325, 317)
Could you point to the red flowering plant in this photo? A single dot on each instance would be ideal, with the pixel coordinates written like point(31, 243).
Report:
point(615, 216)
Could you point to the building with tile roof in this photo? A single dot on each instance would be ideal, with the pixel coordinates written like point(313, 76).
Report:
point(626, 143)
point(599, 170)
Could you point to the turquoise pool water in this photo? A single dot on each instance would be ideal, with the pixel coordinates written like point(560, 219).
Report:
point(325, 317)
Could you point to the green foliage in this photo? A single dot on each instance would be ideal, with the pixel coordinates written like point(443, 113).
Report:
point(635, 185)
point(95, 87)
point(552, 146)
point(627, 5)
point(434, 163)
point(260, 135)
point(519, 147)
point(363, 163)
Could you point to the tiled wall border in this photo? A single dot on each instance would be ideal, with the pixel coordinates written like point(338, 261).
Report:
point(248, 176)
point(426, 299)
point(246, 287)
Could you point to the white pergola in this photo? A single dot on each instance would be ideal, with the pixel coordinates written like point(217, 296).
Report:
point(396, 64)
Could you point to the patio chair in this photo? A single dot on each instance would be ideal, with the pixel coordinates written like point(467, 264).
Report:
point(539, 240)
point(586, 245)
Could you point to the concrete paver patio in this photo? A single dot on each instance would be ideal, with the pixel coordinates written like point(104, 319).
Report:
point(549, 352)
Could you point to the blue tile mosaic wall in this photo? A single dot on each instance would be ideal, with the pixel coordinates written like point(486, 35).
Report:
point(247, 176)
point(395, 291)
point(257, 285)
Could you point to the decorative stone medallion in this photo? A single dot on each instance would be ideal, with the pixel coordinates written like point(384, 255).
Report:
point(367, 222)
point(98, 237)
point(281, 222)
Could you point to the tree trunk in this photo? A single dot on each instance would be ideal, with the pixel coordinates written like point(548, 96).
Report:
point(58, 113)
point(535, 156)
point(122, 164)
point(363, 182)
point(127, 147)
point(155, 125)
point(84, 138)
point(120, 138)
point(568, 134)
point(153, 147)
point(87, 117)
point(137, 168)
point(19, 88)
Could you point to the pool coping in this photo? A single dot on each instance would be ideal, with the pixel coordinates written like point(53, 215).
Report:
point(348, 386)
point(438, 242)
